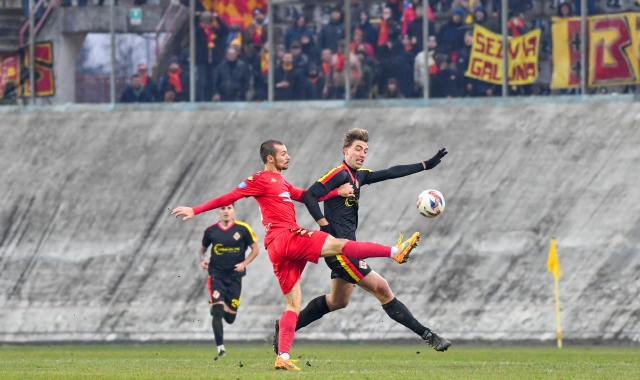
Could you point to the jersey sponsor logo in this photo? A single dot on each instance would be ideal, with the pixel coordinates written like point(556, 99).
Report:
point(216, 294)
point(236, 236)
point(286, 196)
point(220, 249)
point(350, 202)
point(242, 185)
point(362, 264)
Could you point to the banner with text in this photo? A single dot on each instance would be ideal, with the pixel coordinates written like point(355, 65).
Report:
point(613, 50)
point(485, 62)
point(14, 72)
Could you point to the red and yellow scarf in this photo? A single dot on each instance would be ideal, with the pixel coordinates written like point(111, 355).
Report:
point(174, 79)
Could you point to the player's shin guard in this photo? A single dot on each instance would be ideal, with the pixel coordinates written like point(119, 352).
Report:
point(217, 312)
point(287, 331)
point(363, 250)
point(315, 310)
point(397, 311)
point(229, 317)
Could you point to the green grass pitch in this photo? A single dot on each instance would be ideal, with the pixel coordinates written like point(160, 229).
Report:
point(318, 361)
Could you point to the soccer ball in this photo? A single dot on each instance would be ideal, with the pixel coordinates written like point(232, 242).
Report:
point(430, 203)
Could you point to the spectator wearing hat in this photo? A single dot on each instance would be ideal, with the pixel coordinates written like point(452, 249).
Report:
point(297, 31)
point(414, 30)
point(391, 90)
point(314, 83)
point(447, 82)
point(300, 60)
point(358, 40)
point(177, 78)
point(136, 92)
point(211, 34)
point(287, 82)
point(231, 78)
point(235, 31)
point(257, 31)
point(332, 32)
point(480, 17)
point(451, 35)
point(516, 25)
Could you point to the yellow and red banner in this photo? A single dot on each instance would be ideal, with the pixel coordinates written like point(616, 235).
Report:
point(613, 50)
point(485, 62)
point(14, 72)
point(228, 9)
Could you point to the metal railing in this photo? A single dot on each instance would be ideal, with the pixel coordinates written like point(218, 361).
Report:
point(41, 21)
point(169, 29)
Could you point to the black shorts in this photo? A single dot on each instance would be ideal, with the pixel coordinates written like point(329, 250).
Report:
point(225, 289)
point(350, 270)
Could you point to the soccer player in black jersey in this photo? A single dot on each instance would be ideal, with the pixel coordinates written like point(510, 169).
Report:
point(341, 220)
point(229, 240)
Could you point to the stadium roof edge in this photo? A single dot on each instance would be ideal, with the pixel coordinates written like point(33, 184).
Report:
point(332, 104)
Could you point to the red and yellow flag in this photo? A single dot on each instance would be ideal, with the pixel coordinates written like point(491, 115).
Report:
point(235, 8)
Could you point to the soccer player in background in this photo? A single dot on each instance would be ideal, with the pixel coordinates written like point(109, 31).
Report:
point(341, 220)
point(290, 247)
point(229, 240)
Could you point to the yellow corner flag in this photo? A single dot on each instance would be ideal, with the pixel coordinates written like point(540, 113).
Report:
point(553, 265)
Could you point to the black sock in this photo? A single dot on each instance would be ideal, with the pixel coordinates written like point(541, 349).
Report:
point(229, 317)
point(399, 313)
point(316, 308)
point(217, 312)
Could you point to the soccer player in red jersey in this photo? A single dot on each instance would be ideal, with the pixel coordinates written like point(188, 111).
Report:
point(290, 247)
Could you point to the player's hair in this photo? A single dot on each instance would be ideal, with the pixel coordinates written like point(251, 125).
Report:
point(268, 148)
point(353, 135)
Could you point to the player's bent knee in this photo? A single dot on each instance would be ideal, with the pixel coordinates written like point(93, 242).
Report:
point(217, 310)
point(229, 318)
point(332, 246)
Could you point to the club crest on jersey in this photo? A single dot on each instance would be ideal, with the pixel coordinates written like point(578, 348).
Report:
point(242, 185)
point(250, 179)
point(236, 236)
point(362, 264)
point(274, 180)
point(216, 294)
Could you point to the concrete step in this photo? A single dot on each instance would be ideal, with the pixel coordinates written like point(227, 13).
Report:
point(11, 21)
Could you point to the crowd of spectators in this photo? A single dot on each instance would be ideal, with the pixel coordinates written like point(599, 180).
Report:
point(386, 57)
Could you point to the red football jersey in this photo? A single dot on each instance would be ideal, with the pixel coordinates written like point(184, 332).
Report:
point(274, 196)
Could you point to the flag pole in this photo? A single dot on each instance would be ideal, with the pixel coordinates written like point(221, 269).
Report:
point(555, 281)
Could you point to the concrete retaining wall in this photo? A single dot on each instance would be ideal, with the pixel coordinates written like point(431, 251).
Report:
point(88, 251)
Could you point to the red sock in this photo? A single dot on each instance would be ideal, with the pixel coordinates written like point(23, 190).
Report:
point(363, 250)
point(287, 331)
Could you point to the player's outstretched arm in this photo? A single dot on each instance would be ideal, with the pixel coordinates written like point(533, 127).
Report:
point(405, 170)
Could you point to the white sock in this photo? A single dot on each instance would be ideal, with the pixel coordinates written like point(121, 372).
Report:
point(284, 355)
point(394, 250)
point(221, 348)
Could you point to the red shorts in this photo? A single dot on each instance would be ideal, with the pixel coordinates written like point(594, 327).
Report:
point(289, 252)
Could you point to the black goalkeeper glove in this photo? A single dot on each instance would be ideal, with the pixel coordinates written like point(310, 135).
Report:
point(435, 160)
